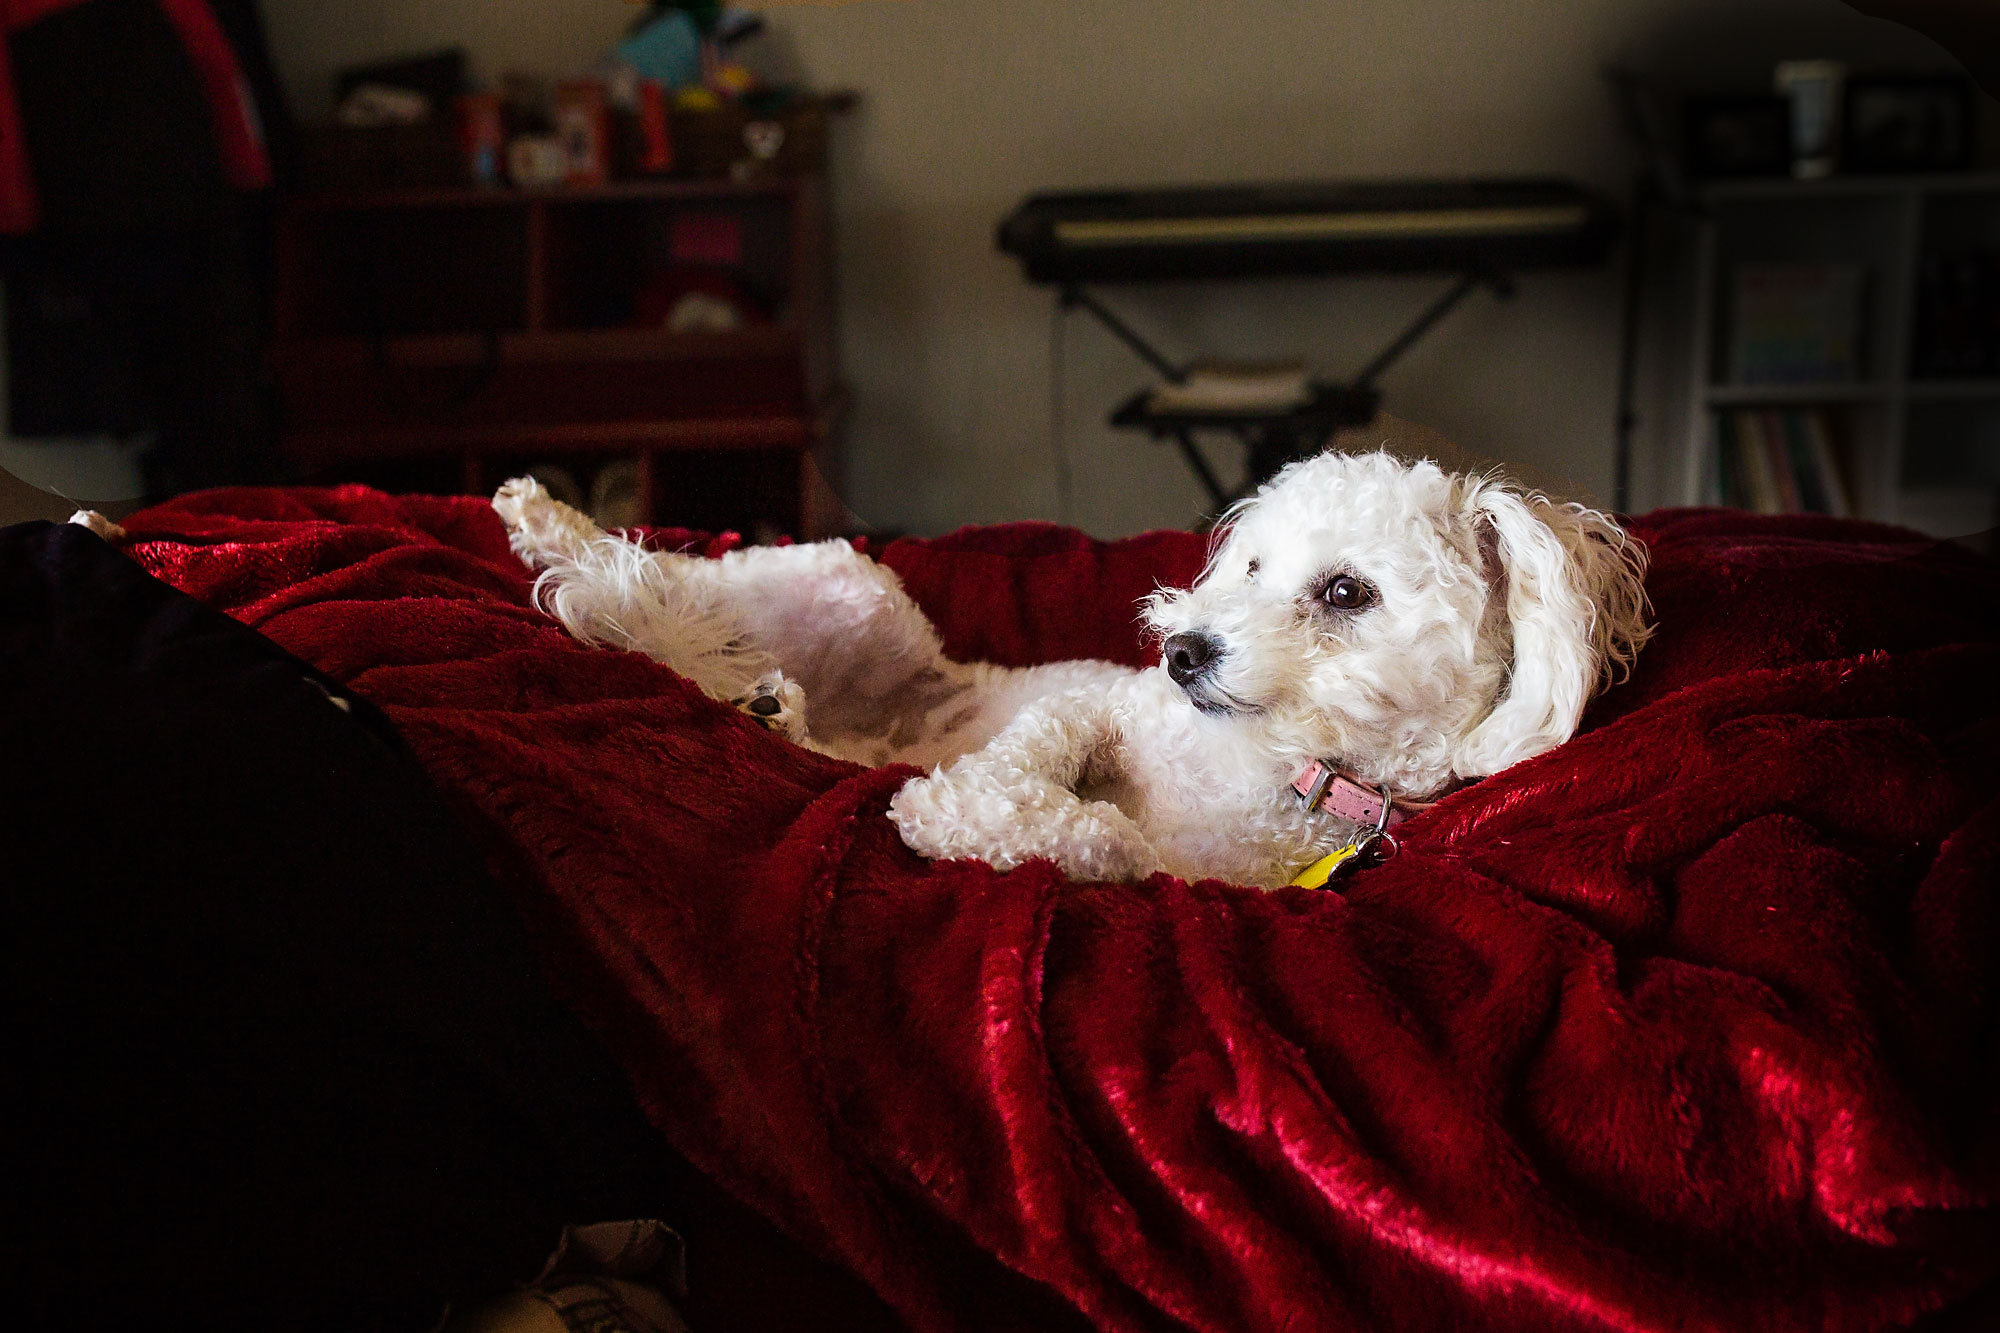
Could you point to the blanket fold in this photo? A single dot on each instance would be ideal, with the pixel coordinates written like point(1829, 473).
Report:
point(1687, 1024)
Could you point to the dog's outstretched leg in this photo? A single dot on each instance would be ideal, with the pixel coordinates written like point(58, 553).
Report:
point(835, 623)
point(610, 591)
point(541, 528)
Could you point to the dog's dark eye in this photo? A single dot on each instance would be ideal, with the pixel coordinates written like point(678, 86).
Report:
point(1251, 572)
point(1344, 592)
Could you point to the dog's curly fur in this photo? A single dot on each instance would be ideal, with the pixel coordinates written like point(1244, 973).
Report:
point(1479, 620)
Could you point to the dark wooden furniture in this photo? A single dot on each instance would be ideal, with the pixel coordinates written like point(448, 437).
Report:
point(446, 338)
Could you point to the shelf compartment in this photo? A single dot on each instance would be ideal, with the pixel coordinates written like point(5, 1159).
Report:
point(1953, 390)
point(1787, 189)
point(745, 432)
point(361, 273)
point(1806, 395)
point(442, 336)
point(760, 474)
point(438, 383)
point(1948, 483)
point(1864, 232)
point(459, 196)
point(469, 349)
point(761, 492)
point(607, 260)
point(1737, 448)
point(1947, 442)
point(1919, 437)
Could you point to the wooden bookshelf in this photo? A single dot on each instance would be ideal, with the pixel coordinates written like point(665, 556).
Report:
point(447, 337)
point(1919, 450)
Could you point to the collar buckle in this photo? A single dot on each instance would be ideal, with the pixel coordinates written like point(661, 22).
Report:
point(1321, 784)
point(1312, 782)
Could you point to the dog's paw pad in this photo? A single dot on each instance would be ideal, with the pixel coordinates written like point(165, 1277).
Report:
point(776, 704)
point(513, 499)
point(541, 529)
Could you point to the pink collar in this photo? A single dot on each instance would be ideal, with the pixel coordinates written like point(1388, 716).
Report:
point(1322, 786)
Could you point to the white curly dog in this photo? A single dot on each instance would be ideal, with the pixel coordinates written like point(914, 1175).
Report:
point(1368, 634)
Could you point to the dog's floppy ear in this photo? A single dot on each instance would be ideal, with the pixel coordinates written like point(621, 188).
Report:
point(1575, 593)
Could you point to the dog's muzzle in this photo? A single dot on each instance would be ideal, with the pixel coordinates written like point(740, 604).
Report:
point(1190, 659)
point(1189, 656)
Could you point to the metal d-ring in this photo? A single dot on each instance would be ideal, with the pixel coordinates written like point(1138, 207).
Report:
point(1381, 836)
point(1382, 819)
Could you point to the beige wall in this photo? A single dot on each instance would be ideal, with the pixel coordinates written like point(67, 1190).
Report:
point(971, 104)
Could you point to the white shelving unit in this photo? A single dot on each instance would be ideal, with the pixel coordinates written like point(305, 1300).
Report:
point(1921, 452)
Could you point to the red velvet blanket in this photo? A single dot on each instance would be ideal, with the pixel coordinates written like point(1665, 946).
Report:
point(1688, 1024)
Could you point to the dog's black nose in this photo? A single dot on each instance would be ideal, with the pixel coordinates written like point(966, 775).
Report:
point(1189, 655)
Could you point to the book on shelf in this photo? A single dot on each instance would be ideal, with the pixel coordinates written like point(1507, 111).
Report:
point(1796, 323)
point(1778, 462)
point(1783, 479)
point(1760, 487)
point(1826, 464)
point(1809, 493)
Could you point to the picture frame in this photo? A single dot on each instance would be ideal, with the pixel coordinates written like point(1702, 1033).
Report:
point(1908, 123)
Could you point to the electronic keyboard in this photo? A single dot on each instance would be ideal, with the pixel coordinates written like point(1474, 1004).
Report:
point(1498, 226)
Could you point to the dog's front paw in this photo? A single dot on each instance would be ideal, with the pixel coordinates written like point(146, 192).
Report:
point(776, 704)
point(1007, 821)
point(1104, 844)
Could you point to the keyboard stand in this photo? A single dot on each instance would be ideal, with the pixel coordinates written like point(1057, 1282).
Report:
point(1272, 439)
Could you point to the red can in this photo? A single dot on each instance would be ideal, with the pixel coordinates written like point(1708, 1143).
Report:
point(482, 137)
point(656, 139)
point(582, 122)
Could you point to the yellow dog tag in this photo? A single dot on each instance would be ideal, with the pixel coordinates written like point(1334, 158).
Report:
point(1319, 872)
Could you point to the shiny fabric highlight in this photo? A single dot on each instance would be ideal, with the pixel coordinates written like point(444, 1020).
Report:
point(1688, 1024)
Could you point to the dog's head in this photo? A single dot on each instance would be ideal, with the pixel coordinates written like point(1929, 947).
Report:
point(1412, 625)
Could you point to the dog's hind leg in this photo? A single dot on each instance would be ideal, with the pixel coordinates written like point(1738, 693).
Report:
point(821, 615)
point(845, 629)
point(610, 591)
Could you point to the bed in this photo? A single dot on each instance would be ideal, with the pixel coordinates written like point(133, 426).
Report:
point(1688, 1024)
